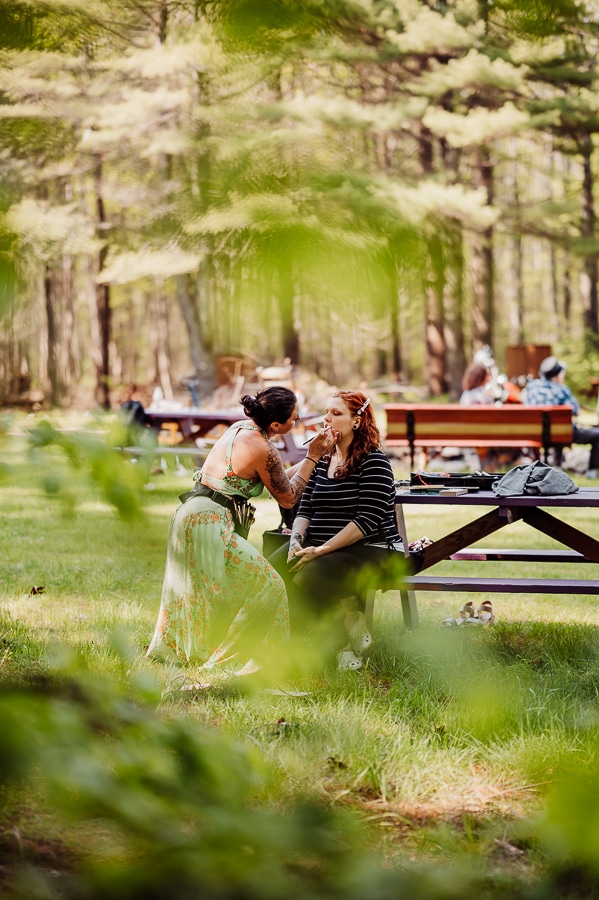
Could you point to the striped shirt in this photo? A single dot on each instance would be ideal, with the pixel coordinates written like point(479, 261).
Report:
point(366, 498)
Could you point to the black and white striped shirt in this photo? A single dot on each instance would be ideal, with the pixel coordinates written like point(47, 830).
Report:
point(366, 498)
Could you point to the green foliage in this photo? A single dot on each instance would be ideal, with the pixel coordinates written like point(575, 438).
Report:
point(330, 135)
point(176, 800)
point(9, 278)
point(59, 25)
point(178, 803)
point(543, 18)
point(583, 364)
point(269, 25)
point(119, 479)
point(18, 21)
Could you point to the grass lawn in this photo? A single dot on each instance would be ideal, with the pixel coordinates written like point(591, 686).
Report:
point(451, 746)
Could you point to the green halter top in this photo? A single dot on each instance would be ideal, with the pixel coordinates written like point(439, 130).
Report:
point(231, 484)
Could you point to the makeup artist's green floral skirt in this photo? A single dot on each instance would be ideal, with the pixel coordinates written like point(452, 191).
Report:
point(223, 605)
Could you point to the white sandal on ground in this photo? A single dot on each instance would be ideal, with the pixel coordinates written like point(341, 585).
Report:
point(485, 613)
point(466, 614)
point(347, 659)
point(359, 636)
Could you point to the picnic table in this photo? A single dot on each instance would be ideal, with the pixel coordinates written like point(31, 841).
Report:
point(195, 425)
point(192, 423)
point(501, 512)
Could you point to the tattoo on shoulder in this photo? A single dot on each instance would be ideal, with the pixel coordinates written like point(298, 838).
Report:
point(278, 478)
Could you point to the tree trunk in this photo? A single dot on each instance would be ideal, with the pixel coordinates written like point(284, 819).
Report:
point(587, 230)
point(394, 310)
point(52, 351)
point(554, 288)
point(94, 322)
point(515, 288)
point(162, 353)
point(482, 260)
point(61, 366)
point(104, 316)
point(286, 310)
point(202, 360)
point(436, 350)
point(72, 355)
point(517, 317)
point(162, 22)
point(453, 291)
point(567, 294)
point(207, 309)
point(104, 312)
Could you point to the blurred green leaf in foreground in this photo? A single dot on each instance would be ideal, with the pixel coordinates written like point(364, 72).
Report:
point(134, 804)
point(120, 479)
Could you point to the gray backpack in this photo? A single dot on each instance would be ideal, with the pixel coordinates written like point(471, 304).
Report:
point(534, 478)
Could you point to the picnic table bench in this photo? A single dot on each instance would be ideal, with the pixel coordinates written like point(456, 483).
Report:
point(428, 425)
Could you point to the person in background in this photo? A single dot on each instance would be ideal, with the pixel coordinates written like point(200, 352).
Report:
point(345, 527)
point(223, 605)
point(476, 385)
point(549, 390)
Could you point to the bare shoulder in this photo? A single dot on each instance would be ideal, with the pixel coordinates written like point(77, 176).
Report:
point(249, 449)
point(252, 440)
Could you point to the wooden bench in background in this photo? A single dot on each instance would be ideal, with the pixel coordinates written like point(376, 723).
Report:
point(429, 425)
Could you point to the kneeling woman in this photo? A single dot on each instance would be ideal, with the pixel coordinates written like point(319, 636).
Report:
point(222, 603)
point(344, 537)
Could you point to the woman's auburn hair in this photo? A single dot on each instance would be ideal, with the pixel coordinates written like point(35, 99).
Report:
point(475, 376)
point(366, 436)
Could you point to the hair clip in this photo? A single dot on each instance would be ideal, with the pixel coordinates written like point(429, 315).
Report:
point(364, 406)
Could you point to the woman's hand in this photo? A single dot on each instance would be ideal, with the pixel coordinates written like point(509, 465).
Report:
point(296, 542)
point(304, 555)
point(323, 443)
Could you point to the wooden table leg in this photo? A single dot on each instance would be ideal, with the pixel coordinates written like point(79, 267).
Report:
point(466, 535)
point(409, 606)
point(563, 532)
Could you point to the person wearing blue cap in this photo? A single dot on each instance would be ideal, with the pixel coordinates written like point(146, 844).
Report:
point(549, 390)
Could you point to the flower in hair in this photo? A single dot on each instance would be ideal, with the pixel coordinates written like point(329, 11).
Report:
point(364, 406)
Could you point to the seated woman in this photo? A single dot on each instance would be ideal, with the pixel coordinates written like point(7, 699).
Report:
point(475, 385)
point(345, 531)
point(222, 602)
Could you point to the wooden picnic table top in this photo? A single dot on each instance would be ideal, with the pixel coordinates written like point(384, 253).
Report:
point(186, 418)
point(193, 423)
point(584, 497)
point(206, 419)
point(530, 509)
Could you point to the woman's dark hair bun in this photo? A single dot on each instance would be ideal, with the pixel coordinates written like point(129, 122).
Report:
point(250, 405)
point(273, 404)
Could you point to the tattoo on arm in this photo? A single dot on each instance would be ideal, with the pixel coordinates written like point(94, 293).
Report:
point(279, 482)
